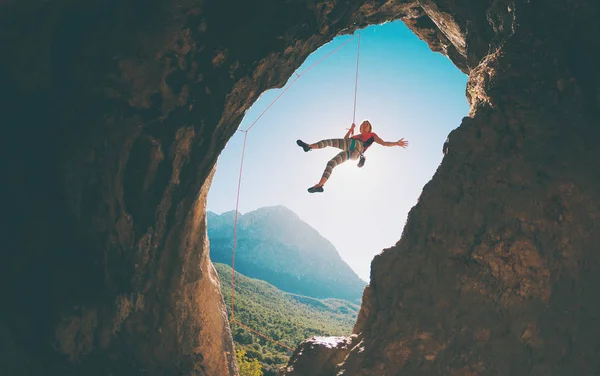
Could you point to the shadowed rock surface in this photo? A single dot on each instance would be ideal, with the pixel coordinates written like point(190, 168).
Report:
point(114, 114)
point(319, 356)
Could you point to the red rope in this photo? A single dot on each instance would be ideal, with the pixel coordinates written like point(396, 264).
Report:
point(264, 336)
point(356, 83)
point(326, 56)
point(272, 103)
point(237, 203)
point(296, 79)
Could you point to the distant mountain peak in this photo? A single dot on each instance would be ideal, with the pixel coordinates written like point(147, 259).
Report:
point(279, 210)
point(275, 245)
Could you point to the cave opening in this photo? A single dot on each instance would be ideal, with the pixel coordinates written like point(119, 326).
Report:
point(115, 113)
point(406, 91)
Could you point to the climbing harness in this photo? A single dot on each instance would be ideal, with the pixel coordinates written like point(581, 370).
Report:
point(233, 320)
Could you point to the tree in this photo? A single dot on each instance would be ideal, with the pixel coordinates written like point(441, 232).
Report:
point(248, 367)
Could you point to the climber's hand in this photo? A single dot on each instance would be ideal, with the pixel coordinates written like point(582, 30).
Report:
point(402, 143)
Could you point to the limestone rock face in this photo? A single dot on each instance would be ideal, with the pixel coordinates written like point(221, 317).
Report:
point(113, 115)
point(319, 356)
point(496, 270)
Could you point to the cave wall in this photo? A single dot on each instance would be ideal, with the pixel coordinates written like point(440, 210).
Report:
point(114, 114)
point(497, 267)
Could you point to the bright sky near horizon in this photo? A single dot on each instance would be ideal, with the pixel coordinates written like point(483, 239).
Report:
point(404, 89)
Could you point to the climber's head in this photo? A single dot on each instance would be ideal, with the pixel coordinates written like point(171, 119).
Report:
point(365, 127)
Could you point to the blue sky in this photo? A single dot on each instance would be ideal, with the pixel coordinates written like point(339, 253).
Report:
point(404, 89)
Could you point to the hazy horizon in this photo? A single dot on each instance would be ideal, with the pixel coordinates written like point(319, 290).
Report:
point(405, 90)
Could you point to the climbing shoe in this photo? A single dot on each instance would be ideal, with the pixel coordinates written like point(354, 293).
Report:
point(361, 162)
point(315, 189)
point(303, 145)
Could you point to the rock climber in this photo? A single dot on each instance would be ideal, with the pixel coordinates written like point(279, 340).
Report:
point(352, 148)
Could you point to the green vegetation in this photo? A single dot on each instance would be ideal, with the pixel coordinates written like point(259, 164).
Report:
point(248, 367)
point(287, 318)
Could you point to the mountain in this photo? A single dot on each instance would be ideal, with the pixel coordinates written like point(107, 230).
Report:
point(275, 245)
point(287, 318)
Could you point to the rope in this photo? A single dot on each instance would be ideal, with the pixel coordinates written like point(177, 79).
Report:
point(264, 336)
point(296, 79)
point(356, 82)
point(237, 202)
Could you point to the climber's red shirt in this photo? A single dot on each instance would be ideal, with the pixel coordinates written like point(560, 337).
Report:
point(367, 139)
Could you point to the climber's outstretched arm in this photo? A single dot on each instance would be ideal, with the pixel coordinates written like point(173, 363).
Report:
point(400, 142)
